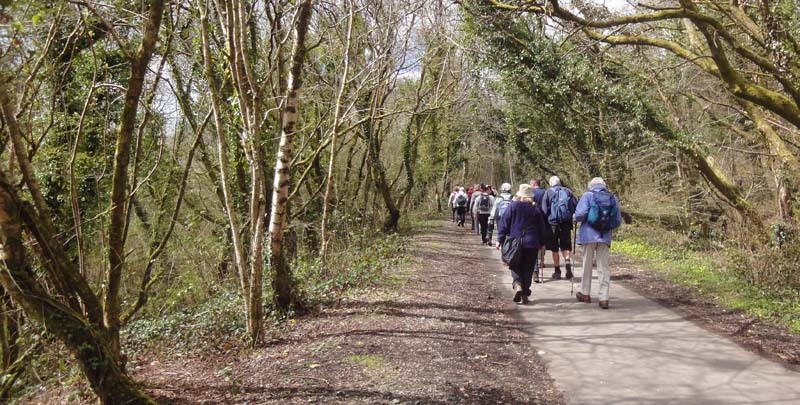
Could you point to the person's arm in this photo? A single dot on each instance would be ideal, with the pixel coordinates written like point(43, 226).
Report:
point(541, 223)
point(573, 201)
point(546, 203)
point(582, 210)
point(619, 211)
point(493, 213)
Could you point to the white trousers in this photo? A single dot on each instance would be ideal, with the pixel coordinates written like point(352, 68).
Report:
point(598, 252)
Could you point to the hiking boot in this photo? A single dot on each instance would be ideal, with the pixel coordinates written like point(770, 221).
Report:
point(536, 277)
point(557, 274)
point(517, 291)
point(584, 298)
point(568, 276)
point(525, 299)
point(603, 304)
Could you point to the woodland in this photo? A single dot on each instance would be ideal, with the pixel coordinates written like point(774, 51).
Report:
point(168, 158)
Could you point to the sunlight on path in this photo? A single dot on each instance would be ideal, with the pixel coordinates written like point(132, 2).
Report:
point(639, 352)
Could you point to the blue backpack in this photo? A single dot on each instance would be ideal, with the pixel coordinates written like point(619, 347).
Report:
point(603, 215)
point(501, 207)
point(561, 207)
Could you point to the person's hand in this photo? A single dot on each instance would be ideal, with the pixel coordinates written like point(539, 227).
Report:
point(497, 246)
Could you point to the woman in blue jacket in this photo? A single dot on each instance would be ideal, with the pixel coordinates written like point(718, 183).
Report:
point(523, 218)
point(596, 244)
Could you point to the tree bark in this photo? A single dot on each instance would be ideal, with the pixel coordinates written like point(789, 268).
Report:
point(282, 283)
point(119, 182)
point(336, 124)
point(89, 343)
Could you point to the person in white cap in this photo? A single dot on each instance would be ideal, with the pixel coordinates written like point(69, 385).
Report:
point(599, 214)
point(558, 205)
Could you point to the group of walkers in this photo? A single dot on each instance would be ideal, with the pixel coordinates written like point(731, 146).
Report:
point(544, 219)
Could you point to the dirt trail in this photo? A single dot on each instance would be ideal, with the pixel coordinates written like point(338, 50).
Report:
point(449, 335)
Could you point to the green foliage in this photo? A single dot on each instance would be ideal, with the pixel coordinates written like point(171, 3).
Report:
point(368, 263)
point(567, 108)
point(188, 330)
point(721, 278)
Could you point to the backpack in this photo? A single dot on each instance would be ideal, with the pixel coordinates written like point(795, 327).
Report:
point(461, 200)
point(603, 211)
point(501, 207)
point(484, 204)
point(561, 208)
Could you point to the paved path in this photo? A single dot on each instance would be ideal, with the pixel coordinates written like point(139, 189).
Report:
point(639, 352)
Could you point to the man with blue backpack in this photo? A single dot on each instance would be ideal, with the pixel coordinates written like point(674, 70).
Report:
point(501, 202)
point(599, 214)
point(558, 205)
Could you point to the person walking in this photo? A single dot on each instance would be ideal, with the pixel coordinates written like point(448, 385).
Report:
point(451, 202)
point(470, 196)
point(461, 201)
point(538, 195)
point(522, 219)
point(482, 209)
point(599, 213)
point(558, 205)
point(500, 205)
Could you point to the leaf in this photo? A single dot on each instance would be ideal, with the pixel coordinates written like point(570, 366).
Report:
point(37, 18)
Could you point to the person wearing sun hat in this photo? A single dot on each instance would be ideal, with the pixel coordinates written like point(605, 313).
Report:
point(523, 218)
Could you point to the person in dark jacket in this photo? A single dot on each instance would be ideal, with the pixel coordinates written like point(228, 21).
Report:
point(523, 218)
point(538, 195)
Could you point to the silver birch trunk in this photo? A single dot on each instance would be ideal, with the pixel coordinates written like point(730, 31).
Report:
point(282, 283)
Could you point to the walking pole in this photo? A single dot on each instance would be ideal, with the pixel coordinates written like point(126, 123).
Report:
point(574, 239)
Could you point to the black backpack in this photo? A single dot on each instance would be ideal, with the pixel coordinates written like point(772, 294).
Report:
point(485, 203)
point(461, 200)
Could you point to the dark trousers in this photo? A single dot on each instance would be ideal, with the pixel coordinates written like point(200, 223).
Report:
point(523, 272)
point(460, 215)
point(472, 221)
point(483, 223)
point(454, 214)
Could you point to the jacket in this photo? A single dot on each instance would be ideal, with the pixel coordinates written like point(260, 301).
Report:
point(451, 202)
point(493, 214)
point(522, 218)
point(538, 195)
point(587, 234)
point(476, 199)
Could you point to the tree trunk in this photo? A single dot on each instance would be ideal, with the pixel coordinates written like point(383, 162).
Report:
point(336, 124)
point(119, 182)
point(282, 283)
point(89, 343)
point(224, 163)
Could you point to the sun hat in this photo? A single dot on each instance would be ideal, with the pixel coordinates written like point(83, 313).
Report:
point(505, 187)
point(525, 191)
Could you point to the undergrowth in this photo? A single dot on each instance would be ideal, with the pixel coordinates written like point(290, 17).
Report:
point(367, 263)
point(714, 274)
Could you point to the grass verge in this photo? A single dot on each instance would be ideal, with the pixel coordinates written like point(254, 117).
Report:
point(714, 277)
